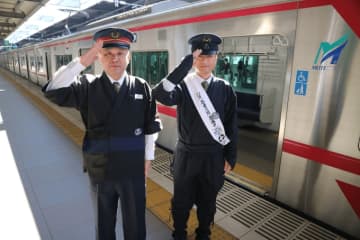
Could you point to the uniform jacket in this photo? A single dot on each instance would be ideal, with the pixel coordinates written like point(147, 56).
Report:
point(192, 132)
point(114, 141)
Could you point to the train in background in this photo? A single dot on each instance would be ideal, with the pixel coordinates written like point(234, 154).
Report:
point(294, 66)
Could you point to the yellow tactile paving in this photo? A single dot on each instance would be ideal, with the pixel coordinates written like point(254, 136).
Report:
point(151, 186)
point(255, 176)
point(158, 199)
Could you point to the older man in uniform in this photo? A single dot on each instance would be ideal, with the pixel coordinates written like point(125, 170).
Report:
point(118, 112)
point(207, 130)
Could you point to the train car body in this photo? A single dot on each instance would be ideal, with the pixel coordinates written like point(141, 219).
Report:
point(295, 70)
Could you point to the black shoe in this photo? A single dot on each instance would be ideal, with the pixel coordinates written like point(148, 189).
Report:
point(202, 237)
point(203, 234)
point(177, 236)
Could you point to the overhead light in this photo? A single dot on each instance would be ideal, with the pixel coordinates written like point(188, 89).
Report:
point(53, 12)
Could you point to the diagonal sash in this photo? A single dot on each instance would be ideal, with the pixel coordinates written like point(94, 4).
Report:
point(205, 108)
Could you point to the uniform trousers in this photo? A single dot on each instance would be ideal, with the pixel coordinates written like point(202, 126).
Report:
point(198, 177)
point(131, 193)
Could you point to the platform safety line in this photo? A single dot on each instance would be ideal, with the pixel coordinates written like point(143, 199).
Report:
point(157, 198)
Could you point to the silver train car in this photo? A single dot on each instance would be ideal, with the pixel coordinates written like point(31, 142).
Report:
point(294, 66)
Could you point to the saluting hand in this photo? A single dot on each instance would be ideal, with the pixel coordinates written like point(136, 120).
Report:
point(195, 54)
point(90, 56)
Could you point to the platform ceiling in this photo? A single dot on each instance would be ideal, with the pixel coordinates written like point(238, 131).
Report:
point(14, 12)
point(76, 14)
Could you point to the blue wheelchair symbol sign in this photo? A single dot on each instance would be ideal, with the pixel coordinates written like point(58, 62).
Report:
point(301, 82)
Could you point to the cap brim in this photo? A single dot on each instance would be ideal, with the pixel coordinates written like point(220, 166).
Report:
point(118, 45)
point(208, 52)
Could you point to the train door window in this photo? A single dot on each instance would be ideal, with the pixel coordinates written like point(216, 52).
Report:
point(8, 61)
point(12, 63)
point(61, 60)
point(32, 64)
point(152, 66)
point(16, 62)
point(239, 70)
point(23, 62)
point(89, 69)
point(40, 64)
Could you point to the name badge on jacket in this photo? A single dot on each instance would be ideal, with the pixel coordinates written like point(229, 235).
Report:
point(138, 96)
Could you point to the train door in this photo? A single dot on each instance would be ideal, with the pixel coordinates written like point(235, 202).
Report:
point(48, 66)
point(255, 66)
point(27, 66)
point(19, 64)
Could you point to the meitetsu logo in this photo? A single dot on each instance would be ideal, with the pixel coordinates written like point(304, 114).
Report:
point(328, 54)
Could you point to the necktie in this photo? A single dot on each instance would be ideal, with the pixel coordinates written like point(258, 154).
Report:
point(205, 85)
point(116, 87)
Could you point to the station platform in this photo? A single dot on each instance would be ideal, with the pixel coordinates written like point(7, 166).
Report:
point(45, 194)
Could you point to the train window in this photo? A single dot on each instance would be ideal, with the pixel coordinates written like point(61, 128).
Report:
point(32, 64)
point(23, 62)
point(89, 69)
point(62, 60)
point(152, 66)
point(11, 60)
point(16, 62)
point(40, 64)
point(239, 70)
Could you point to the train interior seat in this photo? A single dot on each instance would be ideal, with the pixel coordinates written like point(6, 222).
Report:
point(248, 106)
point(256, 107)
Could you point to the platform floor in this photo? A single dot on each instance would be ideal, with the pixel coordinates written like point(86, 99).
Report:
point(44, 194)
point(49, 195)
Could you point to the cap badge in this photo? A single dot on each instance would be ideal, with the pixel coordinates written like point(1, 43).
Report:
point(138, 131)
point(206, 39)
point(115, 35)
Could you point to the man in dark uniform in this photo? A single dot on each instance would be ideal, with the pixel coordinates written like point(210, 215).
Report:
point(207, 130)
point(118, 112)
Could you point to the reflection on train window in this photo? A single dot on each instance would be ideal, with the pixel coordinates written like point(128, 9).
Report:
point(239, 70)
point(152, 66)
point(62, 60)
point(40, 64)
point(89, 69)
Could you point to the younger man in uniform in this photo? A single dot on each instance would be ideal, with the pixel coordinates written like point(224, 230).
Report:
point(207, 130)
